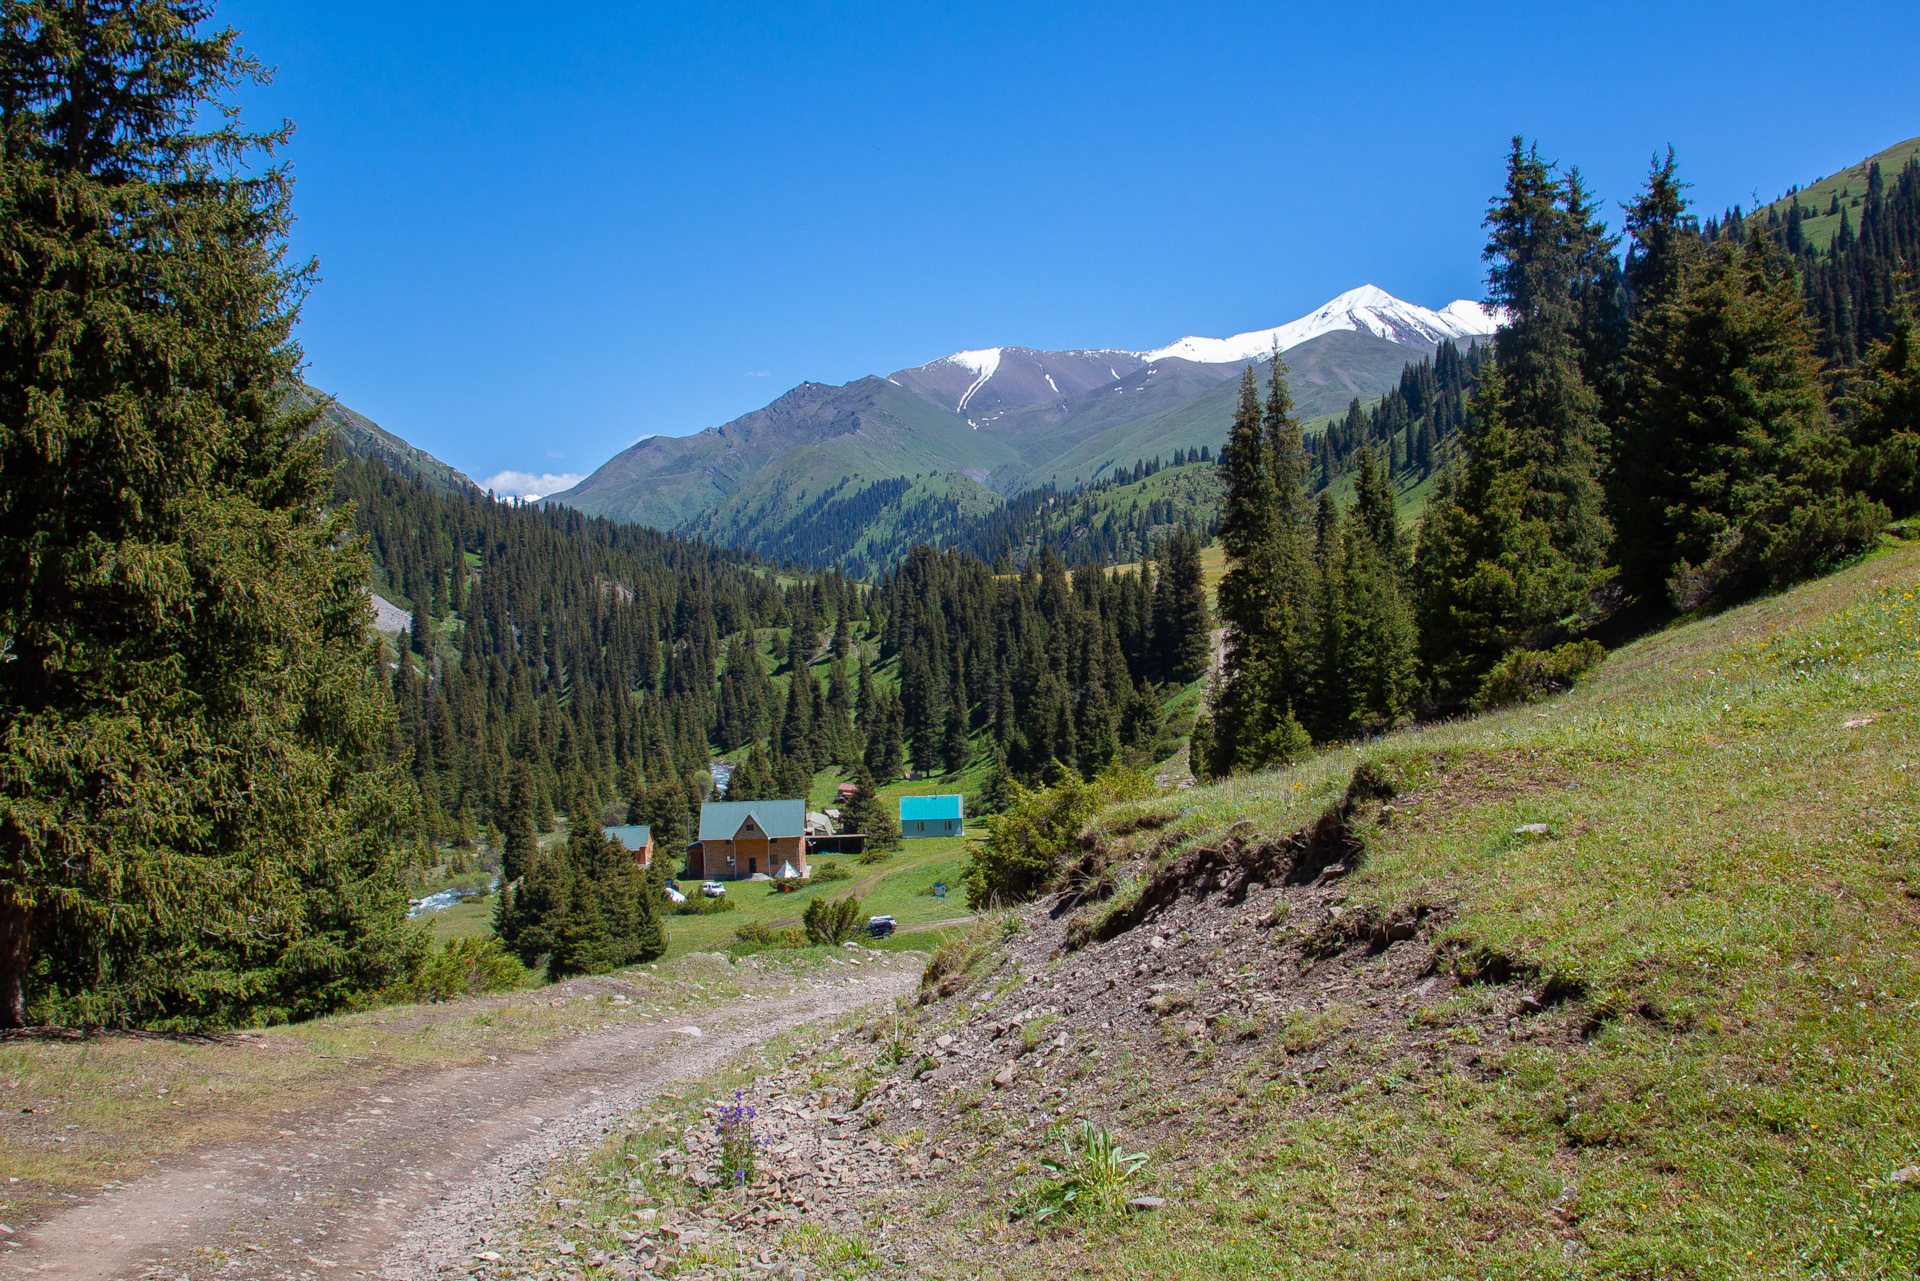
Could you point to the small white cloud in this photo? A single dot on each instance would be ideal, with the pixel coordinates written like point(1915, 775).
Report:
point(554, 453)
point(531, 486)
point(757, 373)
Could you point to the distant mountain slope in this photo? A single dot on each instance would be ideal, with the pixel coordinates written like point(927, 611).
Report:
point(360, 437)
point(796, 478)
point(1326, 374)
point(979, 384)
point(868, 430)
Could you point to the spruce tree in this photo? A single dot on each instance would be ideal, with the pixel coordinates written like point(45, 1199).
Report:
point(518, 823)
point(1885, 429)
point(753, 779)
point(1540, 247)
point(1247, 535)
point(196, 821)
point(663, 808)
point(865, 812)
point(608, 919)
point(954, 747)
point(1487, 573)
point(1740, 471)
point(1180, 628)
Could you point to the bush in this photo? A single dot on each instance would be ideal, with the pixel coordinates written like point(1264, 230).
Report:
point(1027, 845)
point(1526, 674)
point(759, 934)
point(830, 872)
point(697, 905)
point(464, 967)
point(832, 920)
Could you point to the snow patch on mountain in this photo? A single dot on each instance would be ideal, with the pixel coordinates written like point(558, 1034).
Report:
point(1368, 309)
point(983, 364)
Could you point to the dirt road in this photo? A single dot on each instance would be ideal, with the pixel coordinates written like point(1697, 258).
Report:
point(400, 1179)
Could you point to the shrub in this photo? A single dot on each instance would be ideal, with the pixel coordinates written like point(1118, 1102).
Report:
point(760, 934)
point(1027, 845)
point(1526, 674)
point(832, 920)
point(464, 967)
point(697, 905)
point(956, 956)
point(830, 872)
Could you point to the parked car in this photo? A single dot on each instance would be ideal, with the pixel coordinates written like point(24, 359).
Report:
point(674, 894)
point(879, 926)
point(713, 889)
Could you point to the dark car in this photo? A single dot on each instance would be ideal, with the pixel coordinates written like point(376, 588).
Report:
point(879, 927)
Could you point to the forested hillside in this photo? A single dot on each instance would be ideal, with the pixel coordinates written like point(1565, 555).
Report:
point(1853, 250)
point(1652, 432)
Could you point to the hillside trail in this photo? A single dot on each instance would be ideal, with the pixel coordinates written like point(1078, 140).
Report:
point(401, 1179)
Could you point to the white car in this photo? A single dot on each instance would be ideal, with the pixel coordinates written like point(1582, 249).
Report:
point(713, 889)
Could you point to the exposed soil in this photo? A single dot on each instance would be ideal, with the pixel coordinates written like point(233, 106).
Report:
point(402, 1178)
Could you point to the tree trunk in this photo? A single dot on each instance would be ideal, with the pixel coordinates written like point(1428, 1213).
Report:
point(16, 926)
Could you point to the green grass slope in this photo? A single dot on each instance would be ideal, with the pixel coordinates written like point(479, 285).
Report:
point(1668, 1032)
point(1850, 184)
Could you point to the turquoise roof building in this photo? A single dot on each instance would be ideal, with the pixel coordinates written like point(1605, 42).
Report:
point(933, 816)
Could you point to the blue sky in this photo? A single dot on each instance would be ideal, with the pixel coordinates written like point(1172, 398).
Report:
point(544, 234)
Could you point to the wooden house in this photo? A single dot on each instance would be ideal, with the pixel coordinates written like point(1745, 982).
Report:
point(638, 838)
point(739, 839)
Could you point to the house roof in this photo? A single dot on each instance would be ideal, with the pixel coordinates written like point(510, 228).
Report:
point(635, 836)
point(922, 809)
point(719, 820)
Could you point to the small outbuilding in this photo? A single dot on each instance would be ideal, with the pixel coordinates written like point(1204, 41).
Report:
point(638, 838)
point(933, 816)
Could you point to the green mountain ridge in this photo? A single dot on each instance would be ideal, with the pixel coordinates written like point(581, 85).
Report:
point(787, 480)
point(360, 437)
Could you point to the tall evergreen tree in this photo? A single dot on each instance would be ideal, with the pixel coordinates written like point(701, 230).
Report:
point(1541, 248)
point(1487, 573)
point(517, 824)
point(196, 821)
point(1885, 429)
point(865, 812)
point(1180, 628)
point(1738, 463)
point(608, 920)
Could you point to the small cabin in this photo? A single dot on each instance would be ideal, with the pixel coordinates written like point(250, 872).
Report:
point(933, 816)
point(638, 838)
point(742, 839)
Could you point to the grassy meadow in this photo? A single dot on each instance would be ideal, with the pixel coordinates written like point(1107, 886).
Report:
point(1724, 906)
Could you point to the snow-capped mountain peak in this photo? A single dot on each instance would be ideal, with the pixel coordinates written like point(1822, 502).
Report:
point(1368, 309)
point(982, 384)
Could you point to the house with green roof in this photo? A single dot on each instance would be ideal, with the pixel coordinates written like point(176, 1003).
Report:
point(740, 839)
point(933, 816)
point(638, 839)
